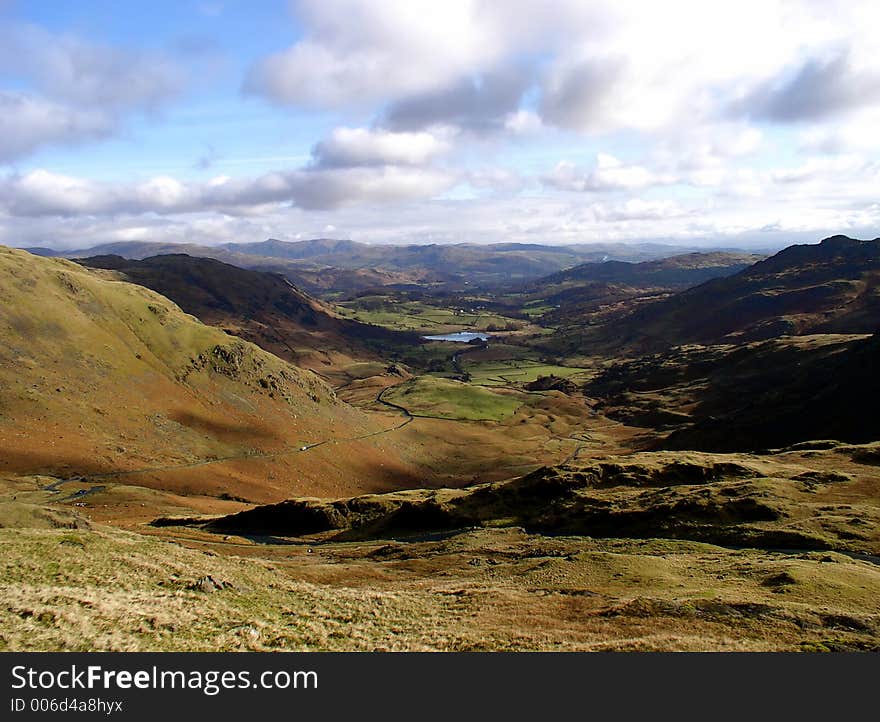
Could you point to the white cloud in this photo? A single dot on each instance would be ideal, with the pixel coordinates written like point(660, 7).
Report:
point(856, 134)
point(480, 104)
point(69, 69)
point(356, 51)
point(43, 193)
point(609, 174)
point(320, 190)
point(822, 87)
point(523, 122)
point(29, 121)
point(594, 66)
point(346, 147)
point(77, 91)
point(754, 117)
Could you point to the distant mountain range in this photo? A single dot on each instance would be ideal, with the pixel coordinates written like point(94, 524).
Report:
point(339, 266)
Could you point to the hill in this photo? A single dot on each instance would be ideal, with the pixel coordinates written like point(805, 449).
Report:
point(749, 397)
point(106, 380)
point(830, 287)
point(264, 308)
point(573, 295)
point(685, 270)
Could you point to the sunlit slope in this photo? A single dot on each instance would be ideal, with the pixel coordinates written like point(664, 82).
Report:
point(99, 376)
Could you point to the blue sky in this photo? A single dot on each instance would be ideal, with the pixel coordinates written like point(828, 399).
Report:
point(469, 120)
point(217, 41)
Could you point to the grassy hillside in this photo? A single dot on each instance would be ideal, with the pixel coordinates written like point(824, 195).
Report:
point(103, 377)
point(264, 308)
point(448, 399)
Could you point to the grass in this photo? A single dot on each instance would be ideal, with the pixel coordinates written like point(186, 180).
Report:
point(503, 373)
point(492, 589)
point(500, 588)
point(421, 317)
point(59, 595)
point(101, 376)
point(536, 309)
point(448, 399)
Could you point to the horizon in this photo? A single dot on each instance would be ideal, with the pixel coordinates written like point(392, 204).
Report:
point(676, 249)
point(414, 123)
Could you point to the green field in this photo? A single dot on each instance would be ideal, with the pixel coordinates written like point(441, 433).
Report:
point(502, 373)
point(534, 309)
point(421, 317)
point(448, 399)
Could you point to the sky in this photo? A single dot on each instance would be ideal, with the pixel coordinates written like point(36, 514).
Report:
point(727, 124)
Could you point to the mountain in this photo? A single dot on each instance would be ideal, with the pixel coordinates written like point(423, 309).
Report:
point(830, 287)
point(470, 260)
point(273, 248)
point(684, 270)
point(110, 381)
point(826, 393)
point(264, 308)
point(749, 397)
point(578, 292)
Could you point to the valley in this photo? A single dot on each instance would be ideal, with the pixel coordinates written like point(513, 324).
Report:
point(658, 452)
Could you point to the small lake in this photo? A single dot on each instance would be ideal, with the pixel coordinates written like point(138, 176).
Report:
point(461, 337)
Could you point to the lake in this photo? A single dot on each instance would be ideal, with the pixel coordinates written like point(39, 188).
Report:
point(461, 337)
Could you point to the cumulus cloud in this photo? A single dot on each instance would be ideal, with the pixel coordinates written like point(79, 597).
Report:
point(355, 51)
point(593, 67)
point(480, 104)
point(28, 121)
point(43, 193)
point(69, 69)
point(77, 91)
point(856, 134)
point(332, 189)
point(609, 174)
point(821, 88)
point(579, 95)
point(699, 154)
point(348, 147)
point(450, 111)
point(523, 218)
point(523, 122)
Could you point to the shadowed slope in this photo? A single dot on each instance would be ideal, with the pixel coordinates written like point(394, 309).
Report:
point(830, 287)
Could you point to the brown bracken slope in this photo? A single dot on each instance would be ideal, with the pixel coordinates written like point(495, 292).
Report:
point(108, 380)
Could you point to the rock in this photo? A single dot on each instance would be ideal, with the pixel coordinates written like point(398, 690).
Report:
point(208, 584)
point(551, 383)
point(783, 579)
